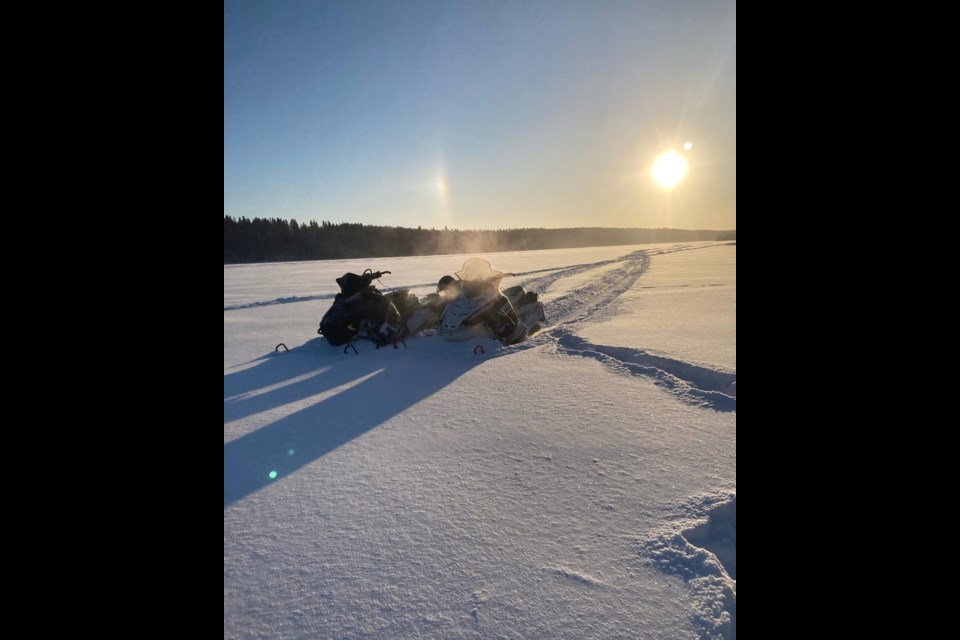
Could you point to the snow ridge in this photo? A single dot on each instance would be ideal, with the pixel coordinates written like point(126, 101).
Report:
point(576, 576)
point(713, 589)
point(691, 383)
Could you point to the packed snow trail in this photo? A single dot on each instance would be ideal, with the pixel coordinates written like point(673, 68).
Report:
point(691, 383)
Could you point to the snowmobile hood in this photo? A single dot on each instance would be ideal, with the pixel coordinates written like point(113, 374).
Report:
point(462, 319)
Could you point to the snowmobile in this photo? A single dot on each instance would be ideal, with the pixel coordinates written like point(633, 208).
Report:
point(470, 306)
point(480, 309)
point(361, 311)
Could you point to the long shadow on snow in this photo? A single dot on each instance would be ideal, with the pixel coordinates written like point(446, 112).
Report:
point(272, 368)
point(248, 392)
point(384, 383)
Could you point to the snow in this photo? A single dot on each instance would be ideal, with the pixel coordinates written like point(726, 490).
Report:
point(686, 308)
point(580, 484)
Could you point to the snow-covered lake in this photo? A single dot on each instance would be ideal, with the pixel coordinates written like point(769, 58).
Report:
point(581, 484)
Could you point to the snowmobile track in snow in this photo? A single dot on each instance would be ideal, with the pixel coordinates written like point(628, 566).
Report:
point(692, 383)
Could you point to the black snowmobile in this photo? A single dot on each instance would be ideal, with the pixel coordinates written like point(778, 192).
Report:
point(361, 311)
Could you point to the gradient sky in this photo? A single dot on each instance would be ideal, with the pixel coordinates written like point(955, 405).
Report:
point(479, 114)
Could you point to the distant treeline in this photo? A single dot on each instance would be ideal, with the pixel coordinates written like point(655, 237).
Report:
point(275, 240)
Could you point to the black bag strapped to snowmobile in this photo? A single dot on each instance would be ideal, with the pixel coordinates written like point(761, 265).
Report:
point(351, 284)
point(337, 325)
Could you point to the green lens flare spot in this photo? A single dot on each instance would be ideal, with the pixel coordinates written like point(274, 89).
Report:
point(289, 452)
point(272, 474)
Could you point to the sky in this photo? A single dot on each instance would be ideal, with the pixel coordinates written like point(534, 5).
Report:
point(480, 115)
point(552, 489)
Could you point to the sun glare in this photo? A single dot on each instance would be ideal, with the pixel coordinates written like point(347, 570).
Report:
point(668, 170)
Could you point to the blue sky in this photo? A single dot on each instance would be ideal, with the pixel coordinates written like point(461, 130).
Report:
point(480, 114)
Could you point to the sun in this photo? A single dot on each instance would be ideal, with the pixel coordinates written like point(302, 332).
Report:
point(668, 170)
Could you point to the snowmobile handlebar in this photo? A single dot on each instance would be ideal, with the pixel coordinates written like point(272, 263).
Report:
point(369, 275)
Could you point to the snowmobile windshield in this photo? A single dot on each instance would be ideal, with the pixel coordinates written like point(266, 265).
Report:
point(478, 278)
point(478, 269)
